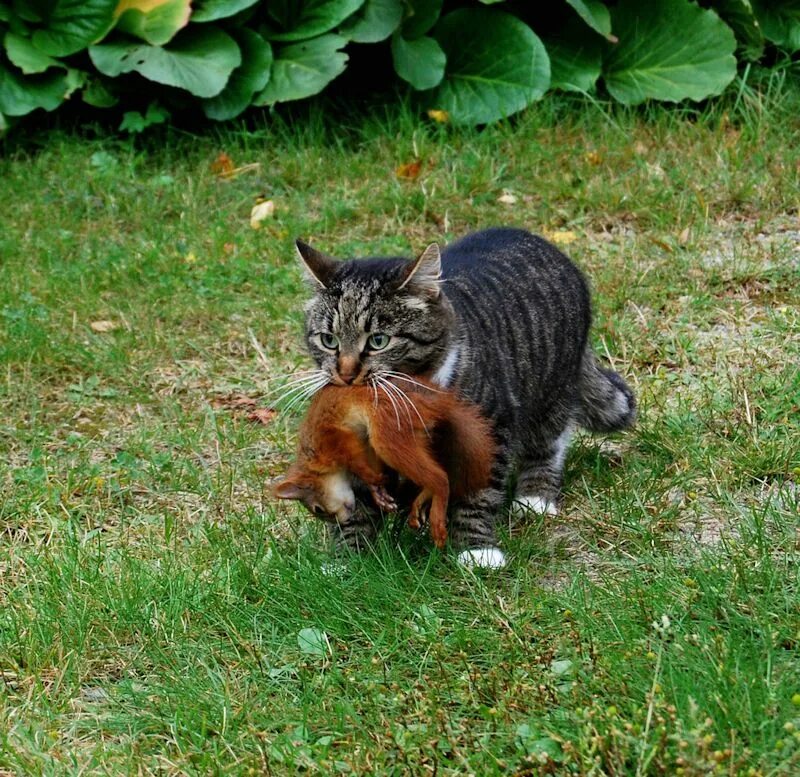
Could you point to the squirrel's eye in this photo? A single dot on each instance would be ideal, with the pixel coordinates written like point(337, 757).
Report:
point(378, 342)
point(329, 341)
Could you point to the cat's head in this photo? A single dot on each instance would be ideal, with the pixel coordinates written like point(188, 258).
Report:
point(329, 497)
point(373, 317)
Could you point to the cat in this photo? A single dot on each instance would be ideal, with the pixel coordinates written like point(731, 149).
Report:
point(429, 436)
point(500, 316)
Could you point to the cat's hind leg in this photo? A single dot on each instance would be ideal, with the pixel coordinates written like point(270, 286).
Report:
point(540, 477)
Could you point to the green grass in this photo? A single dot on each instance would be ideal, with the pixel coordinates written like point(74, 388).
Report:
point(153, 594)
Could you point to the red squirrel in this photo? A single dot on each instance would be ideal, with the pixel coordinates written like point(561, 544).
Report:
point(433, 438)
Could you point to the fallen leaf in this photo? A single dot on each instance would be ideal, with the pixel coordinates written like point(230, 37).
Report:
point(442, 117)
point(261, 211)
point(683, 238)
point(507, 198)
point(263, 415)
point(562, 237)
point(104, 326)
point(190, 258)
point(229, 248)
point(222, 165)
point(410, 171)
point(234, 401)
point(593, 158)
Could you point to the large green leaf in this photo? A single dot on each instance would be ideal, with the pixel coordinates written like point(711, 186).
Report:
point(303, 69)
point(26, 56)
point(22, 94)
point(420, 61)
point(780, 22)
point(211, 10)
point(292, 20)
point(421, 15)
point(250, 77)
point(595, 14)
point(668, 50)
point(99, 93)
point(71, 25)
point(154, 21)
point(199, 60)
point(576, 57)
point(375, 21)
point(496, 66)
point(739, 16)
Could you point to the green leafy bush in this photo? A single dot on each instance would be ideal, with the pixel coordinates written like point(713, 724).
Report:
point(471, 62)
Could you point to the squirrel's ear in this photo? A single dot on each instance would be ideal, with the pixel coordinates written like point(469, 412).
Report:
point(319, 266)
point(287, 489)
point(423, 275)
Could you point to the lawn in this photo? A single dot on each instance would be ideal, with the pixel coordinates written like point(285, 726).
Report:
point(161, 614)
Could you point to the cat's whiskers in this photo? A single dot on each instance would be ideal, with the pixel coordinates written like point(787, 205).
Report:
point(301, 389)
point(297, 378)
point(302, 397)
point(406, 400)
point(401, 400)
point(293, 391)
point(407, 379)
point(382, 383)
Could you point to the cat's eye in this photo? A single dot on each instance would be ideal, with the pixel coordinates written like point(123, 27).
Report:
point(378, 342)
point(329, 341)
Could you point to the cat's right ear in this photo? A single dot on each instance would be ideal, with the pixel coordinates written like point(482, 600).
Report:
point(287, 489)
point(319, 266)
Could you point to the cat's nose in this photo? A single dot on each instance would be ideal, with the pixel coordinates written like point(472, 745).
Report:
point(348, 368)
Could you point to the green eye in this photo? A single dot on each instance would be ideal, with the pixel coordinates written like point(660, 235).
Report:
point(378, 342)
point(329, 341)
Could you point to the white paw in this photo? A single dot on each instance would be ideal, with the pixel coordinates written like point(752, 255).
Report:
point(484, 558)
point(533, 504)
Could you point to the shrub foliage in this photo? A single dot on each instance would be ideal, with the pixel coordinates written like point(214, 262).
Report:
point(470, 62)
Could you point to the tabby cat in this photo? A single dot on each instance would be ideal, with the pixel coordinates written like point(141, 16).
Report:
point(500, 316)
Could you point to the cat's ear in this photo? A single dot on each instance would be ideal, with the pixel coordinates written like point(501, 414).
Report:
point(287, 489)
point(319, 266)
point(423, 275)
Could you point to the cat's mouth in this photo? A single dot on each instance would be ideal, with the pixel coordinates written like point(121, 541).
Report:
point(349, 380)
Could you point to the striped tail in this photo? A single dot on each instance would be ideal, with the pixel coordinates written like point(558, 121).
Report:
point(606, 403)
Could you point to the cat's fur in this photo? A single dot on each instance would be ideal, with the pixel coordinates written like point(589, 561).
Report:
point(502, 317)
point(428, 435)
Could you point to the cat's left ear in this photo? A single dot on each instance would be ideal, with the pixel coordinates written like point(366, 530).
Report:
point(320, 266)
point(423, 276)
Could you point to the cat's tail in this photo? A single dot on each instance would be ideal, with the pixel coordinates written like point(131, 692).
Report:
point(606, 403)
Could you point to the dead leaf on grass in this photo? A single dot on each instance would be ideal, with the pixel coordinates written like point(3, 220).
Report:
point(261, 211)
point(441, 117)
point(507, 198)
point(409, 171)
point(222, 165)
point(234, 402)
point(104, 326)
point(562, 237)
point(263, 415)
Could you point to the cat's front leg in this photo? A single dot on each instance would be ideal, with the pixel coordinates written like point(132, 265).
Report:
point(473, 520)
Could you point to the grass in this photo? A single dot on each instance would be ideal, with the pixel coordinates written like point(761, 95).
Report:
point(160, 614)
